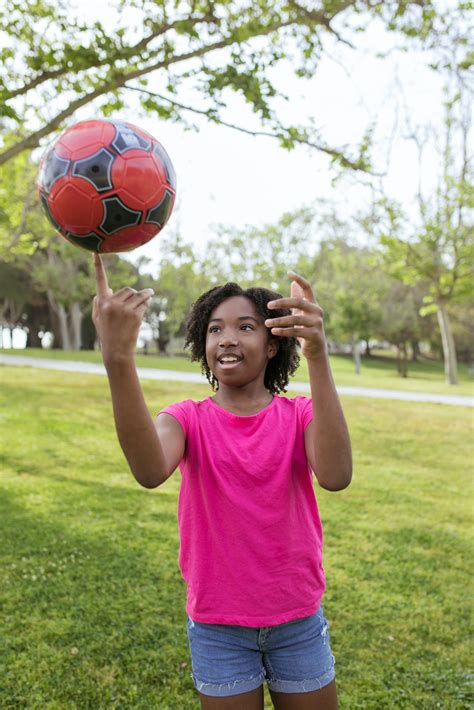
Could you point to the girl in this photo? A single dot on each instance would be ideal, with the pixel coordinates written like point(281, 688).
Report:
point(250, 532)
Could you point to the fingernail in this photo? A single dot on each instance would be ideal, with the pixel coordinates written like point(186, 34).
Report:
point(270, 304)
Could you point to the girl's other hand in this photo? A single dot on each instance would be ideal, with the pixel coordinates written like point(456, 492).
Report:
point(306, 320)
point(117, 317)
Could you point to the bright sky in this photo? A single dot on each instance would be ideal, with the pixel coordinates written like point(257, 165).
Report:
point(227, 177)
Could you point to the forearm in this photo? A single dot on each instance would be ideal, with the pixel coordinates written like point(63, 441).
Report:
point(135, 428)
point(331, 443)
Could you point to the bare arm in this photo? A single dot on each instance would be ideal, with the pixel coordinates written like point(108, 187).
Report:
point(327, 437)
point(327, 440)
point(152, 452)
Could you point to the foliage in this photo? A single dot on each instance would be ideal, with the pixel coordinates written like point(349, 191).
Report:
point(23, 226)
point(261, 255)
point(351, 287)
point(53, 63)
point(439, 248)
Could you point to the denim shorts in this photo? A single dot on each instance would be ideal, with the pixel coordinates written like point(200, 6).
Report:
point(294, 657)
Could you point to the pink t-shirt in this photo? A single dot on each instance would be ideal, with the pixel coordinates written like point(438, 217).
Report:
point(250, 534)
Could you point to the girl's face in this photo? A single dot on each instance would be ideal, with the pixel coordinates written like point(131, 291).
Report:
point(238, 346)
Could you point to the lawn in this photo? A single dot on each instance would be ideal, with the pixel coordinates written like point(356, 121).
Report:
point(92, 604)
point(376, 372)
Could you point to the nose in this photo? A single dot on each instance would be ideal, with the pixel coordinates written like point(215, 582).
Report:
point(227, 339)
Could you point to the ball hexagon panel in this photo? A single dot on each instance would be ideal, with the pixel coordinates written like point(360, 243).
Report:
point(45, 205)
point(75, 205)
point(117, 215)
point(52, 168)
point(160, 213)
point(129, 238)
point(129, 138)
point(164, 159)
point(96, 169)
point(85, 138)
point(136, 173)
point(91, 241)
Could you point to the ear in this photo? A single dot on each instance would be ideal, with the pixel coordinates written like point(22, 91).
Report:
point(273, 346)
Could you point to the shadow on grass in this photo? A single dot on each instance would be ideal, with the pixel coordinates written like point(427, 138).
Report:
point(93, 617)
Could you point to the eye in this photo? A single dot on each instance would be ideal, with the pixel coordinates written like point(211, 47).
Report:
point(213, 328)
point(247, 325)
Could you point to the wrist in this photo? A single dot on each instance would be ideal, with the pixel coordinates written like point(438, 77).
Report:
point(319, 358)
point(114, 358)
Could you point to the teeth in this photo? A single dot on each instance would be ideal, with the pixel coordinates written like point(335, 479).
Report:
point(228, 359)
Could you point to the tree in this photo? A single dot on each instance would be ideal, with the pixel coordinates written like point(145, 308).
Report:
point(261, 255)
point(402, 323)
point(181, 280)
point(350, 288)
point(439, 251)
point(52, 63)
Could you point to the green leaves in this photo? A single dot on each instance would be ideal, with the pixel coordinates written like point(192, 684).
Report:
point(51, 58)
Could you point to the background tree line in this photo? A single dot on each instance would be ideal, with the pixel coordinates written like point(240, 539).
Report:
point(387, 274)
point(51, 290)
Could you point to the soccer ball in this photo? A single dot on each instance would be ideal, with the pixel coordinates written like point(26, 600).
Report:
point(107, 186)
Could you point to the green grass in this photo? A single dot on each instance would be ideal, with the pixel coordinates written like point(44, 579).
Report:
point(92, 604)
point(376, 372)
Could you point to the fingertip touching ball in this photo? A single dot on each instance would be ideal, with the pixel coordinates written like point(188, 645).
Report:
point(107, 186)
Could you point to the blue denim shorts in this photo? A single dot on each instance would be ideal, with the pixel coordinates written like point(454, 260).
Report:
point(294, 657)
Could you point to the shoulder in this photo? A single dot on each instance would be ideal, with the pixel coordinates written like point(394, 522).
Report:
point(184, 411)
point(300, 407)
point(295, 404)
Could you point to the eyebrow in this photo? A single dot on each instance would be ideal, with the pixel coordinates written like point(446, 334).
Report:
point(220, 320)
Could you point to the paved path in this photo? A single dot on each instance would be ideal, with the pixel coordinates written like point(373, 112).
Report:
point(149, 373)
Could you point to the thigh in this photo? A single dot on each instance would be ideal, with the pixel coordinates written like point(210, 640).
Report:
point(253, 700)
point(225, 660)
point(298, 657)
point(324, 699)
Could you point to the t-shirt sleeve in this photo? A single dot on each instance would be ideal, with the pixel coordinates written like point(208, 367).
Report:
point(179, 411)
point(305, 405)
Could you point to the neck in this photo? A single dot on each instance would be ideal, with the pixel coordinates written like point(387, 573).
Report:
point(242, 399)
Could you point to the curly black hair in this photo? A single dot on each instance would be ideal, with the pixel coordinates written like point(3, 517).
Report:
point(279, 368)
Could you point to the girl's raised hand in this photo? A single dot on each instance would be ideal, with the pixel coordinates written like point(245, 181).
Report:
point(306, 320)
point(117, 316)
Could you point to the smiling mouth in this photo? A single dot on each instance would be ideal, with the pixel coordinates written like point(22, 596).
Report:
point(228, 363)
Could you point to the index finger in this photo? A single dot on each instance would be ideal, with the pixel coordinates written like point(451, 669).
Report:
point(102, 285)
point(304, 285)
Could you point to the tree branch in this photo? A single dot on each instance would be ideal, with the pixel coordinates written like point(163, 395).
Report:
point(210, 115)
point(126, 53)
point(33, 140)
point(321, 18)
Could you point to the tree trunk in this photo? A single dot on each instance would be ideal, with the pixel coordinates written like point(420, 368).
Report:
point(367, 349)
point(356, 355)
point(32, 338)
point(88, 333)
point(38, 319)
point(402, 359)
point(75, 320)
point(449, 349)
point(415, 350)
point(63, 328)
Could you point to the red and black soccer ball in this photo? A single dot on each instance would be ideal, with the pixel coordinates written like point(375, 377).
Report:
point(107, 186)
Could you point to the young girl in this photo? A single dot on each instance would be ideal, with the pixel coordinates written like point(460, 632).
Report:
point(250, 532)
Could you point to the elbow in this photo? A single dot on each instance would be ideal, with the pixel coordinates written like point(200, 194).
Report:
point(149, 485)
point(336, 483)
point(149, 482)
